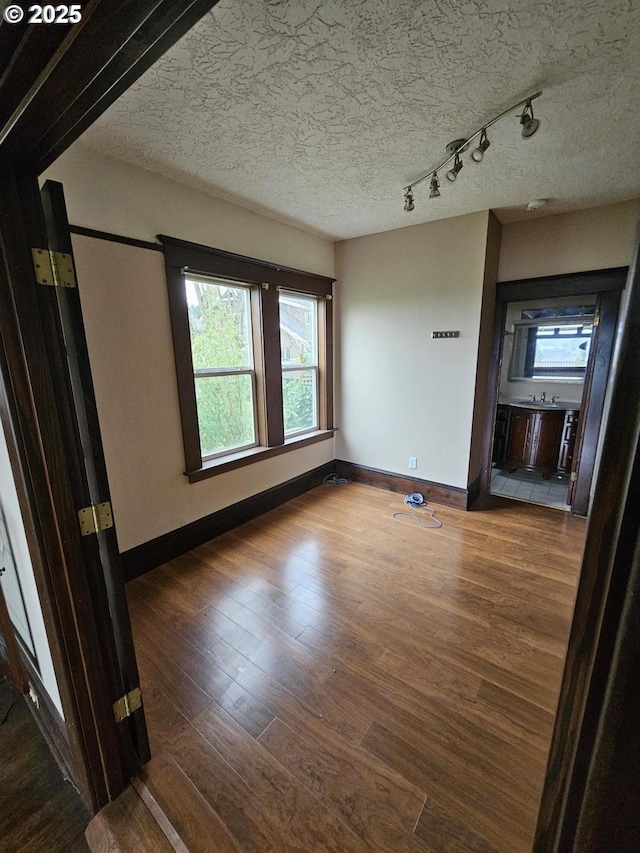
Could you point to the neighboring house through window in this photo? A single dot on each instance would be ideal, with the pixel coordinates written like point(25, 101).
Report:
point(254, 356)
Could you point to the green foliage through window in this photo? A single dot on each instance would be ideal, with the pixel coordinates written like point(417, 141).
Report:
point(220, 326)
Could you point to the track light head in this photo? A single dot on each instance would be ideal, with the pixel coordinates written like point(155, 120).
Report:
point(478, 153)
point(529, 124)
point(452, 174)
point(408, 201)
point(434, 186)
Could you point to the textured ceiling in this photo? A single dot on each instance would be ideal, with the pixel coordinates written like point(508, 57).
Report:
point(318, 112)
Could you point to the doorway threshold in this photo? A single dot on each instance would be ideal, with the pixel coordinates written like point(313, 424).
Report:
point(531, 488)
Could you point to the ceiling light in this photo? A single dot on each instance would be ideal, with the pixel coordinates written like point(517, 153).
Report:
point(408, 200)
point(452, 174)
point(478, 153)
point(529, 124)
point(537, 204)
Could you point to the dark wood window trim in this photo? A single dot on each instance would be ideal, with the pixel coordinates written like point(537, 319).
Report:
point(268, 279)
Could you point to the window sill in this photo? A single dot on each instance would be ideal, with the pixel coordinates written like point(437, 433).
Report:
point(221, 465)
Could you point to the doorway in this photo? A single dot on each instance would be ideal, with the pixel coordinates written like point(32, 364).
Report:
point(552, 350)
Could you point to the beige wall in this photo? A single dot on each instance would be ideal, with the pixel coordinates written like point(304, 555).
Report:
point(400, 393)
point(578, 241)
point(124, 299)
point(109, 195)
point(124, 304)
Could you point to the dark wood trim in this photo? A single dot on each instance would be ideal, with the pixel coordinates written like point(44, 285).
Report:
point(271, 365)
point(255, 454)
point(11, 666)
point(179, 316)
point(64, 87)
point(50, 723)
point(265, 278)
point(606, 281)
point(111, 611)
point(567, 284)
point(436, 492)
point(326, 362)
point(473, 492)
point(115, 238)
point(593, 407)
point(141, 559)
point(591, 797)
point(209, 261)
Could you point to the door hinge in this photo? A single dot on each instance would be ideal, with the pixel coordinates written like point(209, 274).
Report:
point(95, 518)
point(574, 476)
point(53, 268)
point(126, 705)
point(596, 320)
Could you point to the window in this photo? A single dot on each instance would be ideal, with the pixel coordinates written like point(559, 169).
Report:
point(254, 356)
point(299, 327)
point(222, 354)
point(560, 351)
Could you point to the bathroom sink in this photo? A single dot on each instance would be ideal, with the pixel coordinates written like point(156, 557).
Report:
point(538, 404)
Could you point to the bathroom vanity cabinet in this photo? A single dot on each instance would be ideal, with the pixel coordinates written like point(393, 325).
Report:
point(540, 439)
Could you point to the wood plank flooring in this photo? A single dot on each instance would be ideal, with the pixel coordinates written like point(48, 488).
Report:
point(39, 809)
point(326, 679)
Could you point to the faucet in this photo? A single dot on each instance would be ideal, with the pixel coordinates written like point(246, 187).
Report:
point(533, 397)
point(543, 397)
point(553, 399)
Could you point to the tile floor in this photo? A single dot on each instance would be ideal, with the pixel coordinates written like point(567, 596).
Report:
point(525, 486)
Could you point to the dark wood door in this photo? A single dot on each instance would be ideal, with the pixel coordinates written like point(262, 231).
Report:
point(68, 347)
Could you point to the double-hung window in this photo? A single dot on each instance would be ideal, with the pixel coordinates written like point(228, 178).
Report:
point(222, 353)
point(299, 338)
point(253, 350)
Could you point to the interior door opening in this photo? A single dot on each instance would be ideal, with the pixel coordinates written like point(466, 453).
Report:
point(553, 342)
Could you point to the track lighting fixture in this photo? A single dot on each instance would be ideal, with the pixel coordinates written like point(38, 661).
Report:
point(478, 153)
point(408, 200)
point(529, 124)
point(452, 174)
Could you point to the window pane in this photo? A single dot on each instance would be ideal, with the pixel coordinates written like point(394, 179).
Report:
point(561, 353)
point(225, 412)
point(298, 330)
point(299, 399)
point(220, 324)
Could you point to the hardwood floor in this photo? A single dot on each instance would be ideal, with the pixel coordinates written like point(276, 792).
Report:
point(326, 679)
point(39, 810)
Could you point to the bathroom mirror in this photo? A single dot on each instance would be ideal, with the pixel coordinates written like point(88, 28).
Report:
point(552, 348)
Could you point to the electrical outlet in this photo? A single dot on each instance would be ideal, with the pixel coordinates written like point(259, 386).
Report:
point(413, 462)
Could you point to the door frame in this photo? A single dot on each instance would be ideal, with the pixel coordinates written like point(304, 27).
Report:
point(54, 82)
point(608, 284)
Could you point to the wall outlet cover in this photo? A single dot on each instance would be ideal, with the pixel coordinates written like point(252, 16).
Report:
point(413, 462)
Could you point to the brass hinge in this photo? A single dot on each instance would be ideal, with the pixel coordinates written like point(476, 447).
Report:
point(574, 476)
point(596, 320)
point(95, 518)
point(53, 268)
point(129, 703)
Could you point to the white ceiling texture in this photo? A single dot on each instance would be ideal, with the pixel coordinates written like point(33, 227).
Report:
point(319, 112)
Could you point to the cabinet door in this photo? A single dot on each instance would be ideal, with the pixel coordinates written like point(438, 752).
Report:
point(518, 449)
point(547, 432)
